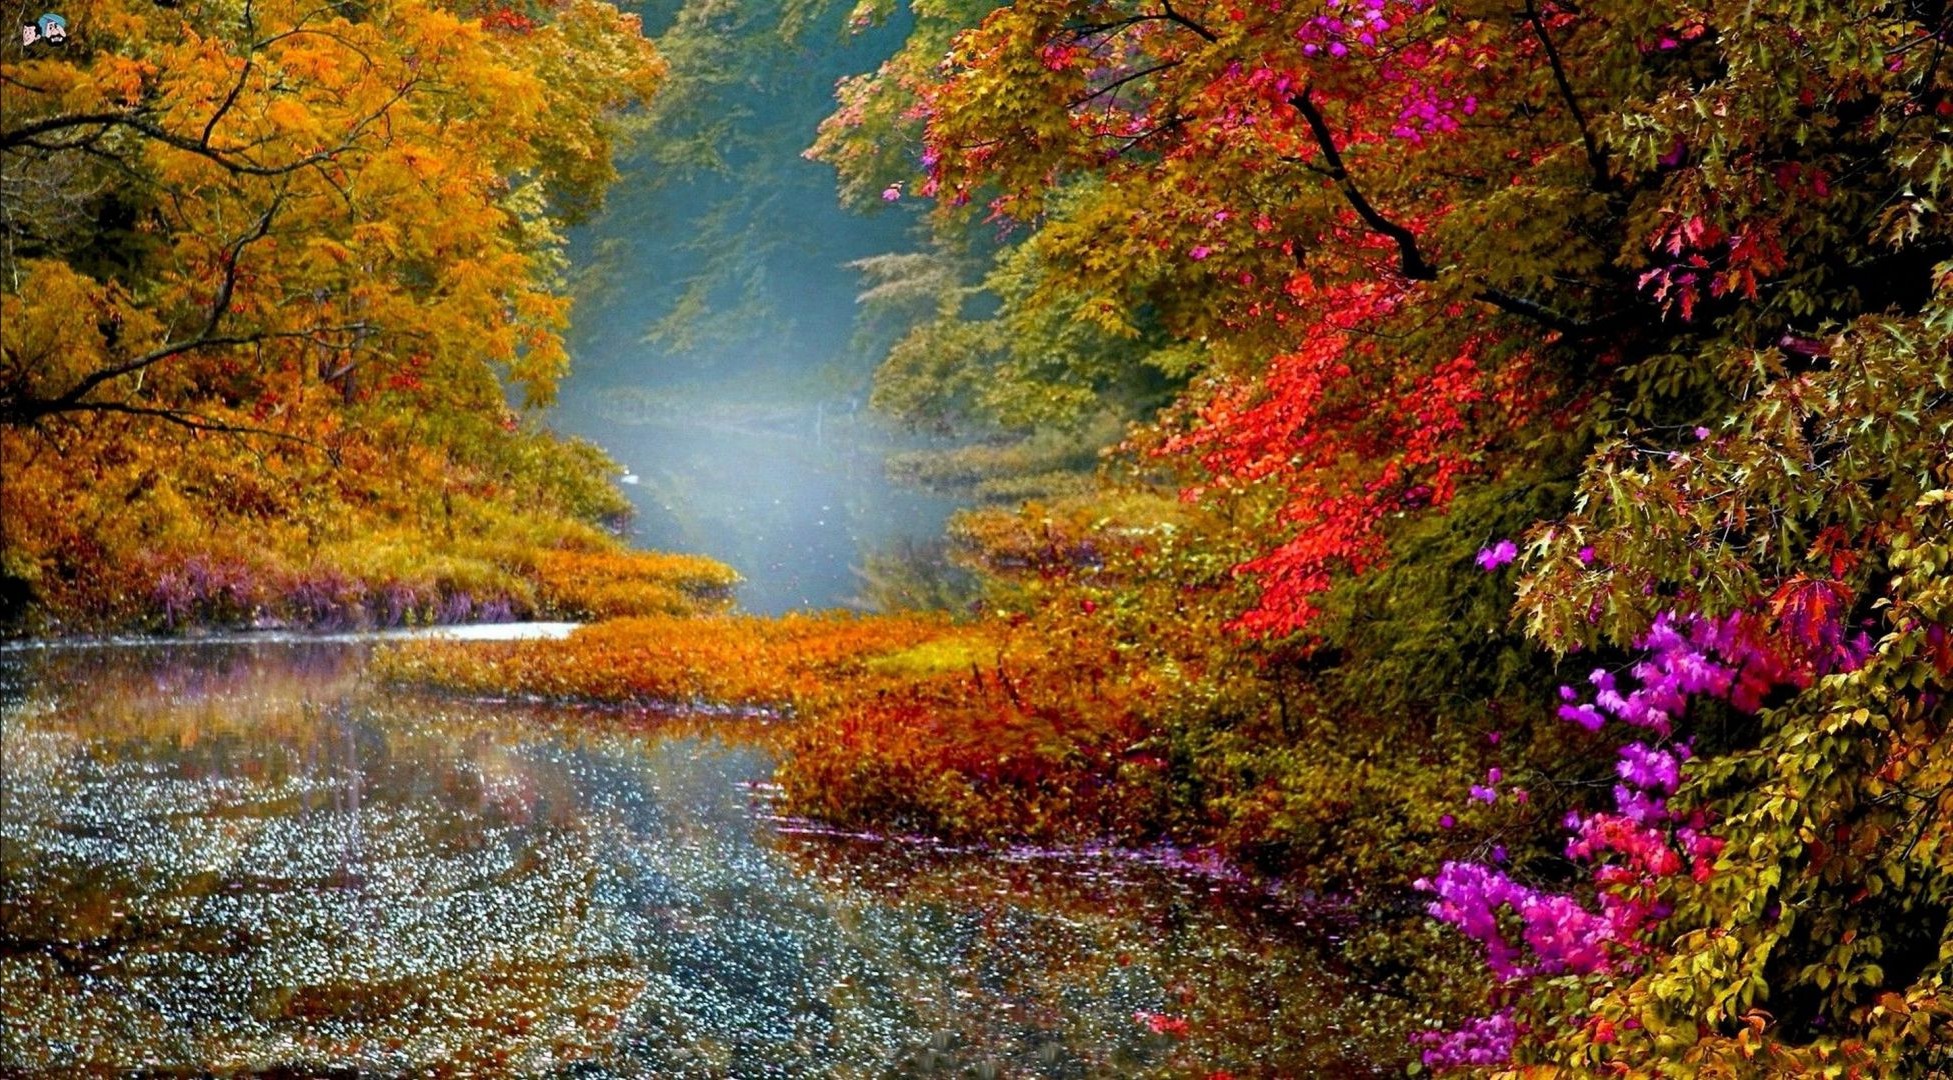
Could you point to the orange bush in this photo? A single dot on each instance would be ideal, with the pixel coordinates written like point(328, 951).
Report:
point(910, 722)
point(975, 757)
point(614, 584)
point(786, 663)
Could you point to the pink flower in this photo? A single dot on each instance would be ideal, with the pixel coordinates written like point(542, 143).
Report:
point(1199, 252)
point(892, 192)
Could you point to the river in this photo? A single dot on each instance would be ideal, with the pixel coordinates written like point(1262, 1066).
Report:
point(245, 858)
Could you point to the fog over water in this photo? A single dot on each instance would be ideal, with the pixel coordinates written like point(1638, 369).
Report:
point(713, 338)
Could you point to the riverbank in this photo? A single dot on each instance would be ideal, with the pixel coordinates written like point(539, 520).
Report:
point(508, 631)
point(89, 576)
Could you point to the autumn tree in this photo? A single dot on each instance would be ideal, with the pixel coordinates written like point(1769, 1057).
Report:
point(1644, 283)
point(286, 262)
point(1485, 196)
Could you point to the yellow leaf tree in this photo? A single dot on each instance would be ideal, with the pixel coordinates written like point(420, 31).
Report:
point(271, 273)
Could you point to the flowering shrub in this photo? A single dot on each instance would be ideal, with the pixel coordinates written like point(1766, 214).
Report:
point(1769, 889)
point(1631, 849)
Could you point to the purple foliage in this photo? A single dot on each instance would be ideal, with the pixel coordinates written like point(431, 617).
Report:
point(394, 602)
point(172, 594)
point(455, 607)
point(202, 589)
point(325, 599)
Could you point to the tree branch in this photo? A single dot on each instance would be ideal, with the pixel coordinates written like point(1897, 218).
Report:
point(207, 337)
point(243, 76)
point(1122, 80)
point(1531, 310)
point(1596, 155)
point(1202, 32)
point(1411, 262)
point(46, 125)
point(1167, 14)
point(192, 422)
point(230, 160)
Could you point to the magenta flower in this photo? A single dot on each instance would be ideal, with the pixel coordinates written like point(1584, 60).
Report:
point(1483, 1041)
point(1499, 554)
point(1585, 715)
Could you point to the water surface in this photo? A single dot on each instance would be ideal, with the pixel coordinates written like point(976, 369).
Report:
point(245, 859)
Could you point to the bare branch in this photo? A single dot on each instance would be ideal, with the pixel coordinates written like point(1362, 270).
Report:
point(1122, 80)
point(1532, 310)
point(243, 77)
point(46, 125)
point(1166, 15)
point(1204, 34)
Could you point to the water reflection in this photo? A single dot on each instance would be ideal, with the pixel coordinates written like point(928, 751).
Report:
point(243, 859)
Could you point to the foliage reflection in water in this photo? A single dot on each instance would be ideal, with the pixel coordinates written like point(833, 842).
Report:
point(246, 859)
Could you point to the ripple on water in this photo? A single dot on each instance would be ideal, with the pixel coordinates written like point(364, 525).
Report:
point(243, 858)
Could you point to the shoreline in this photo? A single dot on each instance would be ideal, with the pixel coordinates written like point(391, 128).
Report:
point(533, 630)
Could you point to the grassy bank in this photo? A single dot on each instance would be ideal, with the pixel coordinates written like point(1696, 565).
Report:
point(204, 538)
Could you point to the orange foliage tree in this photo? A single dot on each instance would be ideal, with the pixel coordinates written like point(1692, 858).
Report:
point(269, 274)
